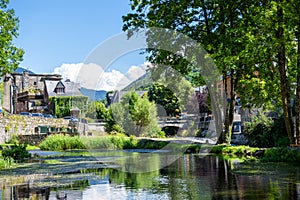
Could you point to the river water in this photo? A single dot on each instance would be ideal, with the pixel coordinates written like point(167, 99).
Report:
point(189, 177)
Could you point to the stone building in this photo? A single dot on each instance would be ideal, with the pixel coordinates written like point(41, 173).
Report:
point(25, 91)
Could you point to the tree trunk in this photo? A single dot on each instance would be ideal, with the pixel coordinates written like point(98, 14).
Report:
point(230, 108)
point(285, 92)
point(226, 109)
point(297, 103)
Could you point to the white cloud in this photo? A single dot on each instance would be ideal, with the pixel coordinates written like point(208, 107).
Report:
point(92, 75)
point(69, 71)
point(113, 80)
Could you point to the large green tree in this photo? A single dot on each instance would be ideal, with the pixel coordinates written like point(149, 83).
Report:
point(134, 115)
point(10, 55)
point(219, 26)
point(274, 43)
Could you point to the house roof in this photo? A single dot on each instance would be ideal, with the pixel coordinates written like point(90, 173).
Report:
point(60, 85)
point(71, 88)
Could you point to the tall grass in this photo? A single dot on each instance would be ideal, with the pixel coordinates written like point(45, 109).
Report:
point(62, 142)
point(6, 163)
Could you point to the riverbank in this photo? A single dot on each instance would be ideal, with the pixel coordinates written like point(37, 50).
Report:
point(61, 143)
point(120, 141)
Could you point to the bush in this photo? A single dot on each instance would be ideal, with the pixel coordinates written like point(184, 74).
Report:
point(6, 162)
point(61, 142)
point(16, 152)
point(281, 155)
point(266, 132)
point(98, 142)
point(233, 151)
point(134, 115)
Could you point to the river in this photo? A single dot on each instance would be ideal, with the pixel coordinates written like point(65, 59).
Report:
point(190, 176)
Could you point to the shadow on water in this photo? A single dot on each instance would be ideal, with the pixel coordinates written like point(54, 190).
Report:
point(80, 176)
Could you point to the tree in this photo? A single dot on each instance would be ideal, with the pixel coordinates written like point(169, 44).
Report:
point(10, 56)
point(96, 109)
point(274, 37)
point(134, 115)
point(163, 96)
point(218, 26)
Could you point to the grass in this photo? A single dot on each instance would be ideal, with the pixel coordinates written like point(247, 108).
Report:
point(6, 163)
point(63, 142)
point(282, 154)
point(121, 141)
point(60, 142)
point(233, 151)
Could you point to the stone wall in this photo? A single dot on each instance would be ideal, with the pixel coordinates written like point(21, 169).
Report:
point(25, 125)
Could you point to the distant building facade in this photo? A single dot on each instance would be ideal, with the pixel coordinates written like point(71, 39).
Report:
point(28, 92)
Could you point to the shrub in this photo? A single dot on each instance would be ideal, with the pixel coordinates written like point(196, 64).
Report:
point(98, 142)
point(17, 152)
point(6, 162)
point(13, 139)
point(266, 132)
point(234, 151)
point(281, 155)
point(134, 115)
point(61, 142)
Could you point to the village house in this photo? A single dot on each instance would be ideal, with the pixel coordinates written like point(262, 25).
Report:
point(25, 91)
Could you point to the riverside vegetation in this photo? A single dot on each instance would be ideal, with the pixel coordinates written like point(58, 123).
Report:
point(14, 153)
point(121, 141)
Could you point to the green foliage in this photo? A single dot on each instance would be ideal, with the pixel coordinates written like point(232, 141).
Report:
point(249, 91)
point(282, 154)
point(13, 139)
point(256, 42)
point(263, 131)
point(163, 96)
point(122, 141)
point(233, 151)
point(10, 55)
point(1, 92)
point(60, 142)
point(6, 162)
point(64, 104)
point(114, 141)
point(17, 152)
point(96, 109)
point(134, 115)
point(101, 142)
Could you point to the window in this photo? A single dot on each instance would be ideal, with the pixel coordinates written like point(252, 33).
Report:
point(60, 88)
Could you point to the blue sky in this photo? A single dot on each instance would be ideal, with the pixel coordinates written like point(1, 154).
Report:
point(57, 32)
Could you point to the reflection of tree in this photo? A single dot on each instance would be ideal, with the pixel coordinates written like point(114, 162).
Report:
point(189, 177)
point(131, 180)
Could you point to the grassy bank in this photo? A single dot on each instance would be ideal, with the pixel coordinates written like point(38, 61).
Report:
point(117, 141)
point(121, 141)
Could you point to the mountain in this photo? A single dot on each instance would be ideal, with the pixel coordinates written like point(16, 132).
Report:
point(21, 70)
point(141, 83)
point(93, 95)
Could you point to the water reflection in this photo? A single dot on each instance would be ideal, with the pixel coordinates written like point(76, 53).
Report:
point(190, 177)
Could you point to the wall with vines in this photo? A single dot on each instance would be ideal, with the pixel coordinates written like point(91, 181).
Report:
point(64, 104)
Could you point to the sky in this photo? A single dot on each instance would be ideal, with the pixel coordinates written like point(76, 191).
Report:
point(58, 36)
